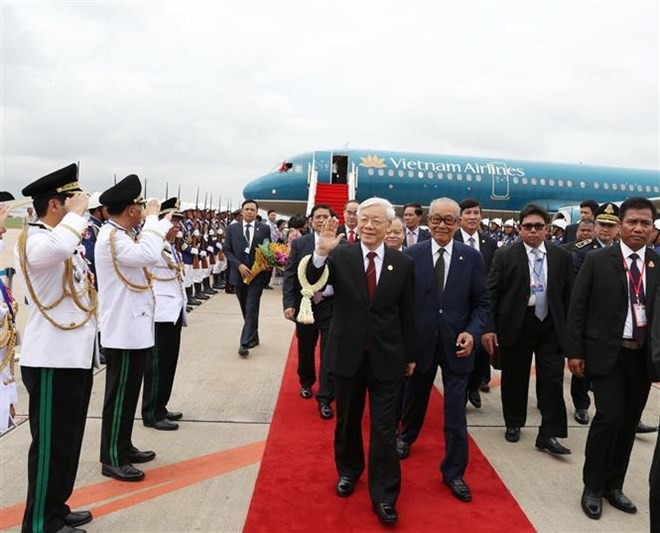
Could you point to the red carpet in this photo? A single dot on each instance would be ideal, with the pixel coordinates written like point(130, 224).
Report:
point(295, 489)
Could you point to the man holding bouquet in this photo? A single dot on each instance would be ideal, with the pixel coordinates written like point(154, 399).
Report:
point(240, 249)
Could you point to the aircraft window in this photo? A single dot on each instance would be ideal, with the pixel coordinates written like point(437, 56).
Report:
point(582, 185)
point(648, 188)
point(631, 187)
point(401, 173)
point(606, 186)
point(370, 171)
point(615, 187)
point(560, 183)
point(381, 172)
point(543, 181)
point(596, 185)
point(440, 175)
point(420, 174)
point(468, 177)
point(569, 183)
point(429, 174)
point(639, 188)
point(534, 181)
point(478, 178)
point(515, 181)
point(551, 182)
point(524, 181)
point(390, 173)
point(411, 173)
point(656, 189)
point(298, 168)
point(449, 176)
point(459, 177)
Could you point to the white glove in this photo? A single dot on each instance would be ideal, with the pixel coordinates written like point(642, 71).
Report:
point(202, 254)
point(218, 246)
point(211, 232)
point(196, 233)
point(194, 251)
point(179, 235)
point(210, 249)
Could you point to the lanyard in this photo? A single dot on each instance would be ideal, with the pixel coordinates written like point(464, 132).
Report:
point(637, 289)
point(538, 276)
point(8, 298)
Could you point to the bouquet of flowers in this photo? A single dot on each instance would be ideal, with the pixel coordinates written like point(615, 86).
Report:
point(268, 255)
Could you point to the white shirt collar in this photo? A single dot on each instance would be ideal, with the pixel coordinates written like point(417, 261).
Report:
point(448, 248)
point(380, 251)
point(252, 224)
point(626, 251)
point(541, 248)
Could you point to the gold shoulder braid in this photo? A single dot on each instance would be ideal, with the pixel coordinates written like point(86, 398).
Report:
point(68, 289)
point(8, 341)
point(129, 284)
point(177, 267)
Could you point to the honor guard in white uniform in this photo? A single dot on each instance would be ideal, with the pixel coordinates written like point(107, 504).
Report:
point(58, 348)
point(167, 277)
point(8, 334)
point(126, 316)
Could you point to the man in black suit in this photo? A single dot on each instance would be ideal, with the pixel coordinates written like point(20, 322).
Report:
point(530, 285)
point(608, 339)
point(654, 476)
point(469, 234)
point(451, 304)
point(349, 227)
point(587, 211)
point(308, 334)
point(240, 247)
point(412, 216)
point(372, 346)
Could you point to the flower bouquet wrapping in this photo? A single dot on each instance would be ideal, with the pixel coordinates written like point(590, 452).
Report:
point(267, 256)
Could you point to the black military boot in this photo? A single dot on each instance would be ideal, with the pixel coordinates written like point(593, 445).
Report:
point(199, 292)
point(206, 283)
point(219, 281)
point(191, 299)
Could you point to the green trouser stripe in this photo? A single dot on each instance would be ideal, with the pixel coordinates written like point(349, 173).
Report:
point(119, 402)
point(154, 384)
point(43, 462)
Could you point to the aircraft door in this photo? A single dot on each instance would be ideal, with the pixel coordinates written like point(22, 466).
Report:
point(500, 181)
point(323, 165)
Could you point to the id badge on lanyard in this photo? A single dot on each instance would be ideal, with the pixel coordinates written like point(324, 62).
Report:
point(638, 308)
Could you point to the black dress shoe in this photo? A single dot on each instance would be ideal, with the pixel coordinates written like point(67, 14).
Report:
point(618, 499)
point(243, 351)
point(345, 486)
point(78, 518)
point(402, 449)
point(69, 529)
point(592, 503)
point(268, 288)
point(474, 398)
point(252, 344)
point(552, 445)
point(581, 416)
point(325, 411)
point(174, 415)
point(484, 387)
point(386, 513)
point(162, 425)
point(306, 392)
point(123, 472)
point(459, 489)
point(643, 428)
point(512, 434)
point(137, 456)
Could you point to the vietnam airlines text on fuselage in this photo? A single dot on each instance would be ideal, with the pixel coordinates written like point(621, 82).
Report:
point(499, 184)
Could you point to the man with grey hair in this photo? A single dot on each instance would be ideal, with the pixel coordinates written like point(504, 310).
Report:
point(371, 346)
point(451, 305)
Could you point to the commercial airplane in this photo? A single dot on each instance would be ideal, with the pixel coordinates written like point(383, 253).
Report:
point(501, 185)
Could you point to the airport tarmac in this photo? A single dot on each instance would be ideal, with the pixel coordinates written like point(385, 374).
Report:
point(204, 473)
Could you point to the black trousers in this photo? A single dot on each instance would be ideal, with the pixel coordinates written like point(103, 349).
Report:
point(249, 298)
point(384, 469)
point(654, 492)
point(539, 338)
point(59, 398)
point(481, 372)
point(159, 370)
point(620, 398)
point(308, 335)
point(580, 392)
point(123, 379)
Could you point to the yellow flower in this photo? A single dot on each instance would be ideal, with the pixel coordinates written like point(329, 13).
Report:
point(373, 161)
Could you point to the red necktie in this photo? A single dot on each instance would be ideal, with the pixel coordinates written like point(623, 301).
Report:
point(371, 275)
point(351, 237)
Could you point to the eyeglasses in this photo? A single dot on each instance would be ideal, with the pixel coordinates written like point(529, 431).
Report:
point(529, 226)
point(374, 221)
point(437, 219)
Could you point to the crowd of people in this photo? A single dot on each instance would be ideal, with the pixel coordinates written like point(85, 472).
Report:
point(113, 276)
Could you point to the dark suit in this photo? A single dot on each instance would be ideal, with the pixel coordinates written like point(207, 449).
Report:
point(249, 296)
point(370, 343)
point(463, 307)
point(654, 476)
point(308, 334)
point(422, 235)
point(481, 371)
point(570, 234)
point(621, 377)
point(343, 229)
point(520, 334)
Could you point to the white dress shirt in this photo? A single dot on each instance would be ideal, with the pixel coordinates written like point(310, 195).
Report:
point(467, 237)
point(626, 251)
point(449, 250)
point(531, 260)
point(378, 260)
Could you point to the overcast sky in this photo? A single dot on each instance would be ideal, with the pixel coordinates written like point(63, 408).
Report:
point(217, 93)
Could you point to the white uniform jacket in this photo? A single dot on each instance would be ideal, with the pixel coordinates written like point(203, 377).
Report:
point(170, 295)
point(44, 344)
point(127, 315)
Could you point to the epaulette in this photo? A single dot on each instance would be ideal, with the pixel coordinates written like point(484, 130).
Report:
point(582, 244)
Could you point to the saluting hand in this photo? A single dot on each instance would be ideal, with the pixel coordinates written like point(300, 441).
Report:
point(328, 238)
point(153, 207)
point(77, 203)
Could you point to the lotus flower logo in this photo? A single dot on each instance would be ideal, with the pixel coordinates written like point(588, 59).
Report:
point(373, 161)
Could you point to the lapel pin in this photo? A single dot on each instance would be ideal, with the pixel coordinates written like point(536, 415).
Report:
point(460, 258)
point(390, 267)
point(651, 264)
